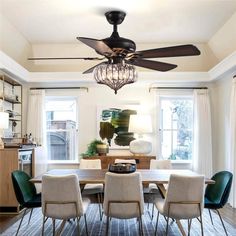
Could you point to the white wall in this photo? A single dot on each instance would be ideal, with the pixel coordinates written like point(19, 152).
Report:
point(220, 104)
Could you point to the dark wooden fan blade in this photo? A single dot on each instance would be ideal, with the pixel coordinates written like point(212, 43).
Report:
point(175, 51)
point(90, 70)
point(98, 45)
point(154, 65)
point(64, 58)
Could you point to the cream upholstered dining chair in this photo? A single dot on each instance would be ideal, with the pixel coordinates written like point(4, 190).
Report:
point(123, 197)
point(152, 187)
point(93, 189)
point(184, 200)
point(61, 199)
point(130, 161)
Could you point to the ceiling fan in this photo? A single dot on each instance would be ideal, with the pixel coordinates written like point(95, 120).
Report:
point(121, 50)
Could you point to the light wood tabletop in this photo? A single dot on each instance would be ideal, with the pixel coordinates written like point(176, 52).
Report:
point(158, 176)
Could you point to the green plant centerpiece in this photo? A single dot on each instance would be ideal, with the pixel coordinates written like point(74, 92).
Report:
point(95, 147)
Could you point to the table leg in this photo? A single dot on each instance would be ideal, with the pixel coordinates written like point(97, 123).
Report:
point(180, 227)
point(58, 233)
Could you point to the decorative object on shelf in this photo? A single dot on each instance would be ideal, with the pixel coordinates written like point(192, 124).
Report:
point(102, 149)
point(122, 168)
point(92, 149)
point(140, 124)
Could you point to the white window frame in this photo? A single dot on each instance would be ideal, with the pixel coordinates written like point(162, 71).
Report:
point(170, 94)
point(64, 98)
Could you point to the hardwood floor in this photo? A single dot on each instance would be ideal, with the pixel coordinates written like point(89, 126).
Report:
point(228, 213)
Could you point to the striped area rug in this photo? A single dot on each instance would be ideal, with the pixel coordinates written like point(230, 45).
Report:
point(117, 227)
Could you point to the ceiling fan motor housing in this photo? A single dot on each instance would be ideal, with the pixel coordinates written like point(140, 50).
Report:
point(120, 43)
point(115, 41)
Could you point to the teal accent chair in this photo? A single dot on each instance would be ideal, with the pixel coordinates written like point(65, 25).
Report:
point(26, 193)
point(216, 195)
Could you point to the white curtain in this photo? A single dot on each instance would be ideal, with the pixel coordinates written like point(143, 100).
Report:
point(36, 118)
point(202, 145)
point(232, 145)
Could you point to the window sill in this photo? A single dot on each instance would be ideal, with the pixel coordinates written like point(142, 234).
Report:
point(63, 162)
point(181, 161)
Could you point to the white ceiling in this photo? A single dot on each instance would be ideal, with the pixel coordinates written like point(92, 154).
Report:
point(149, 21)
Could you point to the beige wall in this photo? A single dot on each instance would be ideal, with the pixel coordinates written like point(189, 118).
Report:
point(223, 43)
point(13, 43)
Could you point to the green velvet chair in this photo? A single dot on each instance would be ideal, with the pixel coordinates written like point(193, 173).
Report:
point(26, 193)
point(216, 195)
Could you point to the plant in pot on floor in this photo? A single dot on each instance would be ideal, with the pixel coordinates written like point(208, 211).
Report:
point(96, 147)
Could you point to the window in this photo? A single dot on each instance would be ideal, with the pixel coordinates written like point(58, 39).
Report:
point(61, 118)
point(176, 127)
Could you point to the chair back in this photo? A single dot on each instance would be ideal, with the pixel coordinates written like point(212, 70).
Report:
point(160, 164)
point(90, 164)
point(218, 193)
point(61, 196)
point(24, 189)
point(130, 161)
point(123, 187)
point(188, 191)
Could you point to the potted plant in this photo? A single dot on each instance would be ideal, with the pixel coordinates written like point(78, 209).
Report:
point(95, 147)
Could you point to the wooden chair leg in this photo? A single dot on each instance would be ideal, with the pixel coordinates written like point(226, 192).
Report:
point(222, 222)
point(30, 215)
point(21, 222)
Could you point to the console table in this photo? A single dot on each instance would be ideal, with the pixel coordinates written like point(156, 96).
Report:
point(143, 162)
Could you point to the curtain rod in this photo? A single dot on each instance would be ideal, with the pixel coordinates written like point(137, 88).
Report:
point(39, 88)
point(176, 88)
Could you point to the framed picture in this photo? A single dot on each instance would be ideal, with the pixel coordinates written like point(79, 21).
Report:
point(113, 125)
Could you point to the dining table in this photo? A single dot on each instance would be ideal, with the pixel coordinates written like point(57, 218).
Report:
point(158, 176)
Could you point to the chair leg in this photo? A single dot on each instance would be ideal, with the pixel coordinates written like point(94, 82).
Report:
point(210, 216)
point(222, 222)
point(30, 215)
point(200, 210)
point(21, 222)
point(189, 226)
point(99, 205)
point(141, 225)
point(44, 220)
point(78, 225)
point(152, 210)
point(86, 226)
point(167, 225)
point(157, 222)
point(53, 226)
point(107, 225)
